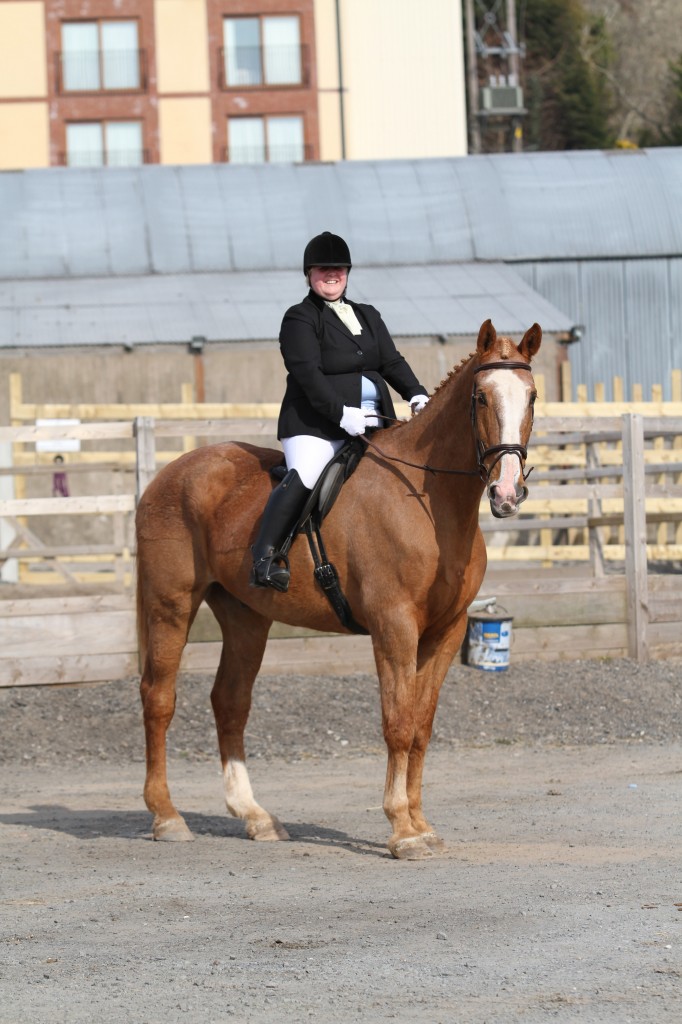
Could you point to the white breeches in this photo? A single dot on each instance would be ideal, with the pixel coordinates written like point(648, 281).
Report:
point(309, 455)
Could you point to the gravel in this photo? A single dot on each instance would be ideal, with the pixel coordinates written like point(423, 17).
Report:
point(298, 717)
point(554, 786)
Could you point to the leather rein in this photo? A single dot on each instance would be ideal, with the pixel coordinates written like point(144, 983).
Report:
point(499, 450)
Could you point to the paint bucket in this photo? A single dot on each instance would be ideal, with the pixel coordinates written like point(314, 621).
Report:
point(487, 642)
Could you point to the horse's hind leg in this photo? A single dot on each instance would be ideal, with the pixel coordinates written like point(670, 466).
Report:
point(245, 634)
point(167, 628)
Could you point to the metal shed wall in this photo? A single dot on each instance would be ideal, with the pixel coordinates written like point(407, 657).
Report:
point(632, 314)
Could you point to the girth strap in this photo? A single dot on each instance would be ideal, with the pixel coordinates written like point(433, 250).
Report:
point(327, 576)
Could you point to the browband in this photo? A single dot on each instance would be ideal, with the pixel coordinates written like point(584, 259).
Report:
point(505, 364)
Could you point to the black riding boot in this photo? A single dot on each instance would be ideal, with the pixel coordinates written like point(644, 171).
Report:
point(285, 504)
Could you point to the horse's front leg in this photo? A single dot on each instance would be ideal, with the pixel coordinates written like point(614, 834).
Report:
point(395, 651)
point(435, 654)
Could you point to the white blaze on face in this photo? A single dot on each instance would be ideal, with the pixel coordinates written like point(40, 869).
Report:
point(511, 400)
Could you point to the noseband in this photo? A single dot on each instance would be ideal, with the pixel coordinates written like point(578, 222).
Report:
point(498, 450)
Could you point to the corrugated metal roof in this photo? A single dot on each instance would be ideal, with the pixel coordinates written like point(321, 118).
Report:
point(414, 300)
point(61, 222)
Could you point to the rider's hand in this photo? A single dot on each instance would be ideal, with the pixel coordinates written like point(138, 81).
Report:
point(353, 420)
point(418, 402)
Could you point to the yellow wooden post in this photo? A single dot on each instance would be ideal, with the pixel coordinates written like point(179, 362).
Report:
point(618, 389)
point(15, 399)
point(15, 403)
point(676, 395)
point(545, 535)
point(566, 383)
point(659, 445)
point(187, 398)
point(676, 385)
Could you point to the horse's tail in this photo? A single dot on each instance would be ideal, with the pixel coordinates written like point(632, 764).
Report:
point(142, 623)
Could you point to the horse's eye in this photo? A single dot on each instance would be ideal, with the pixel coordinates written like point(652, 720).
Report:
point(533, 397)
point(480, 397)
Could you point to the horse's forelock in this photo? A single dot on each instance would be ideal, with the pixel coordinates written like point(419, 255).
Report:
point(508, 350)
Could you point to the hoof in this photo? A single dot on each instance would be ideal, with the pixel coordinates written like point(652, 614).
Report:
point(412, 848)
point(173, 830)
point(266, 830)
point(434, 842)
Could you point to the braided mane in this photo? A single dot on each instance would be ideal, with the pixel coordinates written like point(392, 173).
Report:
point(508, 350)
point(453, 373)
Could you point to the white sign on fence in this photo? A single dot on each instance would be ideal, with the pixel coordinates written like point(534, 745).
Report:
point(56, 444)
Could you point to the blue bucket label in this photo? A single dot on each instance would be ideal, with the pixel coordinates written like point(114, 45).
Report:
point(488, 644)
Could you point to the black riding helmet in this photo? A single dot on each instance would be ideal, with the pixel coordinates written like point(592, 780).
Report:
point(326, 250)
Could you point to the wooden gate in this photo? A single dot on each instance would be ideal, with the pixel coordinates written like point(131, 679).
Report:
point(589, 569)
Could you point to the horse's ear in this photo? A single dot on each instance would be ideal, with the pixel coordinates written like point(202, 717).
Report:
point(530, 342)
point(487, 336)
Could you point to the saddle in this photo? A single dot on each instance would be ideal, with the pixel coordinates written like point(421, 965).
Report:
point(326, 490)
point(317, 507)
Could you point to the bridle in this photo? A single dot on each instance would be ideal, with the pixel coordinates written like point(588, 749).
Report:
point(499, 450)
point(482, 453)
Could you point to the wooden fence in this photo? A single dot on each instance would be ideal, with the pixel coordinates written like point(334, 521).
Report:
point(587, 570)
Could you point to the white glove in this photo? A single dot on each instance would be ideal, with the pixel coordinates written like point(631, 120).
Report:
point(353, 420)
point(418, 402)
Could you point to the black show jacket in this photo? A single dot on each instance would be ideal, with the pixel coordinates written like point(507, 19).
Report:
point(325, 363)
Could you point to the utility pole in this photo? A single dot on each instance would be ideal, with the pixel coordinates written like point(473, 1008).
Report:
point(339, 54)
point(514, 76)
point(472, 79)
point(493, 48)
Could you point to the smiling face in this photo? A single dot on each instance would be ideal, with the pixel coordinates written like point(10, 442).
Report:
point(328, 282)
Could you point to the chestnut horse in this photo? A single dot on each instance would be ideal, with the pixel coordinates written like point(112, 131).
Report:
point(404, 537)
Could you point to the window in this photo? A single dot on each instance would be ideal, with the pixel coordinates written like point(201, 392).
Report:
point(104, 143)
point(257, 140)
point(100, 55)
point(262, 51)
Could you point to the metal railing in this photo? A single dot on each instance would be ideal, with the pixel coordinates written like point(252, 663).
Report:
point(294, 154)
point(91, 71)
point(100, 158)
point(258, 67)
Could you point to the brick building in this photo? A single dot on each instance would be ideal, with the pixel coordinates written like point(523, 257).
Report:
point(127, 82)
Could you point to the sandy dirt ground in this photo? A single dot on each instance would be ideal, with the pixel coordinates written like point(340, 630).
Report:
point(557, 899)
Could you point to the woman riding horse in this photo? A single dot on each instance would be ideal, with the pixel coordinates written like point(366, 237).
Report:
point(405, 540)
point(339, 356)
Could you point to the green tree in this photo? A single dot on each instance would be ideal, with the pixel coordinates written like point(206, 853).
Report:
point(672, 136)
point(567, 94)
point(668, 132)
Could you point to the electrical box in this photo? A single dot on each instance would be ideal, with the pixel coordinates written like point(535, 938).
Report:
point(502, 99)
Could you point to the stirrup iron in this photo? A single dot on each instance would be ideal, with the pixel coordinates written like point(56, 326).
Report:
point(262, 572)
